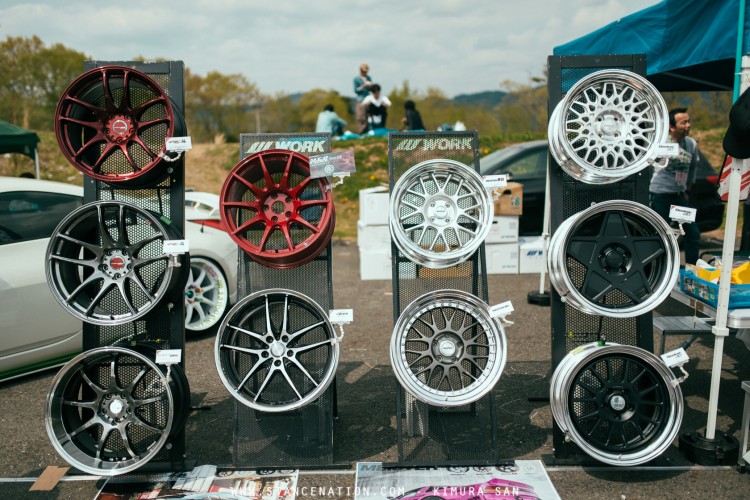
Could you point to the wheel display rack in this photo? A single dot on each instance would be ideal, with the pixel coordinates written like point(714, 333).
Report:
point(300, 438)
point(572, 328)
point(430, 434)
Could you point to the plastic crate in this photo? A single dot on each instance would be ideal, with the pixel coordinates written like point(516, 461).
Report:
point(705, 291)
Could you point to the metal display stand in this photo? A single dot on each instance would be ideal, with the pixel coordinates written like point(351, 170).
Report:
point(429, 434)
point(568, 196)
point(301, 438)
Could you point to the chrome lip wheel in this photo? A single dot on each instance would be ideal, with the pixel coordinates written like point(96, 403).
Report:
point(608, 126)
point(617, 258)
point(206, 295)
point(276, 351)
point(110, 410)
point(105, 263)
point(620, 404)
point(446, 350)
point(440, 213)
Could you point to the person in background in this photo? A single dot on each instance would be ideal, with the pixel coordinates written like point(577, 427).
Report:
point(362, 84)
point(330, 122)
point(376, 107)
point(412, 120)
point(670, 185)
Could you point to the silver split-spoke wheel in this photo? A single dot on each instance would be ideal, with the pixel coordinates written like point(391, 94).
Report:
point(110, 410)
point(276, 351)
point(608, 126)
point(446, 350)
point(106, 265)
point(440, 213)
point(617, 258)
point(206, 295)
point(620, 404)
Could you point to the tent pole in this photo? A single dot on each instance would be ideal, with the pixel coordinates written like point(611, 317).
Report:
point(740, 52)
point(36, 162)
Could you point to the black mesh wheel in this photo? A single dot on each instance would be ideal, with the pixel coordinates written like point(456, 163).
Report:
point(276, 351)
point(617, 258)
point(620, 404)
point(112, 123)
point(106, 266)
point(110, 410)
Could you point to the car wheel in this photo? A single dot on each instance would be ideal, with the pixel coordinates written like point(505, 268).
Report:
point(206, 296)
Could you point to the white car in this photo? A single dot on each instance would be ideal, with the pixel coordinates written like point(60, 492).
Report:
point(37, 333)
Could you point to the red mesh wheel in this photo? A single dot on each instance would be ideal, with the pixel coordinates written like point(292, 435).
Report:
point(112, 123)
point(277, 214)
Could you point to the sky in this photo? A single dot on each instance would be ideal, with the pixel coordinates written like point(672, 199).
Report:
point(286, 46)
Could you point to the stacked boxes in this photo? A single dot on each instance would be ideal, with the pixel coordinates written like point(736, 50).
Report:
point(373, 234)
point(501, 244)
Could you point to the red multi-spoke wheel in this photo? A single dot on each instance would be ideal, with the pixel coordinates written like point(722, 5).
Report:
point(112, 124)
point(277, 214)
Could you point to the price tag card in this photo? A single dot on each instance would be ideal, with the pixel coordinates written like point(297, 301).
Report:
point(674, 358)
point(685, 214)
point(175, 246)
point(668, 150)
point(495, 181)
point(502, 309)
point(177, 144)
point(168, 356)
point(338, 164)
point(341, 316)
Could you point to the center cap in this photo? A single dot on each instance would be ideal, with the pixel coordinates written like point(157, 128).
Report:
point(447, 348)
point(117, 263)
point(277, 349)
point(120, 126)
point(441, 212)
point(116, 406)
point(617, 402)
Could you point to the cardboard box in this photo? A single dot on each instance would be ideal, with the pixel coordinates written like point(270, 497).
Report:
point(511, 200)
point(373, 206)
point(374, 265)
point(531, 256)
point(374, 238)
point(502, 258)
point(504, 229)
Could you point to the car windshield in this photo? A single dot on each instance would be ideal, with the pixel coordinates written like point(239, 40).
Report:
point(488, 162)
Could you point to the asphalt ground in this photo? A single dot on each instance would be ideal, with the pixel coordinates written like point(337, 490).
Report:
point(365, 429)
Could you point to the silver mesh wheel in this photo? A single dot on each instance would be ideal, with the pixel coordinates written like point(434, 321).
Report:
point(620, 404)
point(446, 350)
point(608, 126)
point(617, 258)
point(276, 351)
point(105, 263)
point(110, 410)
point(440, 213)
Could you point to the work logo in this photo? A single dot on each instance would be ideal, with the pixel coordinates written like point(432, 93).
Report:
point(442, 144)
point(296, 145)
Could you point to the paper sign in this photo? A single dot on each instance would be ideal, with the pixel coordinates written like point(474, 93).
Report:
point(684, 214)
point(338, 164)
point(668, 150)
point(177, 144)
point(176, 246)
point(495, 181)
point(340, 316)
point(168, 356)
point(674, 358)
point(502, 309)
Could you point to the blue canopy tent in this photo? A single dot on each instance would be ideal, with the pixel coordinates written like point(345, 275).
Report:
point(690, 45)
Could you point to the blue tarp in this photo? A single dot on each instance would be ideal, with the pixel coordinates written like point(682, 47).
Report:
point(689, 44)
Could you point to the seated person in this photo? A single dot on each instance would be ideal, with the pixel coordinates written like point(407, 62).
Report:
point(376, 106)
point(330, 122)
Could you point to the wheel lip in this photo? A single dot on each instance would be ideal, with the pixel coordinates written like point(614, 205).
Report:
point(171, 279)
point(203, 326)
point(566, 156)
point(284, 259)
point(52, 398)
point(458, 398)
point(557, 260)
point(570, 366)
point(147, 173)
point(414, 252)
point(314, 394)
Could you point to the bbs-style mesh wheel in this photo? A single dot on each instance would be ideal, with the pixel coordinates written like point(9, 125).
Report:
point(620, 404)
point(276, 351)
point(278, 215)
point(608, 126)
point(106, 266)
point(617, 258)
point(440, 213)
point(446, 350)
point(112, 123)
point(112, 409)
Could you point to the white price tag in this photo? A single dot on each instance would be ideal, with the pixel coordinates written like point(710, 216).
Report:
point(168, 356)
point(502, 309)
point(678, 357)
point(668, 150)
point(176, 246)
point(684, 214)
point(495, 181)
point(341, 316)
point(178, 144)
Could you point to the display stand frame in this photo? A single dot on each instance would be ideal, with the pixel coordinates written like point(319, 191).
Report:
point(430, 435)
point(301, 438)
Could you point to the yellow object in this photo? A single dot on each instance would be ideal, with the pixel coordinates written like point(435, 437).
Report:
point(741, 274)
